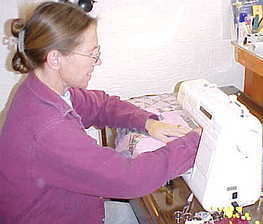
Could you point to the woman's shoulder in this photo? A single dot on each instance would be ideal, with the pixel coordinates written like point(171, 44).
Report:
point(79, 96)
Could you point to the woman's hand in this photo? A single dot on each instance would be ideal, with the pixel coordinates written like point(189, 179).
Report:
point(164, 131)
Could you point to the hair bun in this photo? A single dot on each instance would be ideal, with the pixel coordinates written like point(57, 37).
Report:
point(16, 26)
point(19, 64)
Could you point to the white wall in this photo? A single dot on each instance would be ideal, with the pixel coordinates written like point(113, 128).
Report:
point(147, 46)
point(8, 9)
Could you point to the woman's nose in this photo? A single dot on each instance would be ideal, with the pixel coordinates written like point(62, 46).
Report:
point(98, 62)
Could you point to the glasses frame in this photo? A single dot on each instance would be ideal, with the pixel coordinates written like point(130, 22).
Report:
point(95, 54)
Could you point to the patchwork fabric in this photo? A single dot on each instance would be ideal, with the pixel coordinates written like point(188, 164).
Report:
point(131, 143)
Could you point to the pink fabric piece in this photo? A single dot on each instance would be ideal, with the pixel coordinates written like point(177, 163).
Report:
point(168, 110)
point(148, 143)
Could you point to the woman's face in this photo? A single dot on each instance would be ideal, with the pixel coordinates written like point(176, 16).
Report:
point(76, 68)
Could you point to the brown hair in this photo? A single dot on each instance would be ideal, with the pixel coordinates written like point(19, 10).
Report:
point(53, 25)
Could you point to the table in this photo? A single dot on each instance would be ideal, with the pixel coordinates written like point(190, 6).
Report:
point(159, 206)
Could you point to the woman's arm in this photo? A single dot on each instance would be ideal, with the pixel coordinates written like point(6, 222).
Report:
point(99, 109)
point(67, 158)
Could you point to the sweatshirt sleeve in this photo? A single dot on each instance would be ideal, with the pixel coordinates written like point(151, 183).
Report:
point(99, 109)
point(73, 161)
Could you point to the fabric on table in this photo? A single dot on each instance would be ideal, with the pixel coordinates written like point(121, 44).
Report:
point(132, 142)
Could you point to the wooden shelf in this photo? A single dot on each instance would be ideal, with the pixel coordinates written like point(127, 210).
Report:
point(253, 63)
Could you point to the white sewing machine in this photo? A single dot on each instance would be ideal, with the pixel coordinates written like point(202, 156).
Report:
point(228, 164)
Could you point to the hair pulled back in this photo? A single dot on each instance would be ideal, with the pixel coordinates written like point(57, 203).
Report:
point(52, 26)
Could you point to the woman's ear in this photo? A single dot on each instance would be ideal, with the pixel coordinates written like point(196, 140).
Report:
point(54, 59)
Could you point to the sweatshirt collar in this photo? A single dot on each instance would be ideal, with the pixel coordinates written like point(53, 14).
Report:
point(44, 93)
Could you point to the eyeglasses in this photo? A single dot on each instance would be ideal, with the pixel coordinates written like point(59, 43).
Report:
point(95, 54)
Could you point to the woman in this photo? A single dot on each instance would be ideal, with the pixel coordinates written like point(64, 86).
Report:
point(50, 170)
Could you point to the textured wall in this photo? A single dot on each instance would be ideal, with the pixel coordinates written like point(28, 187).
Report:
point(147, 46)
point(8, 9)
